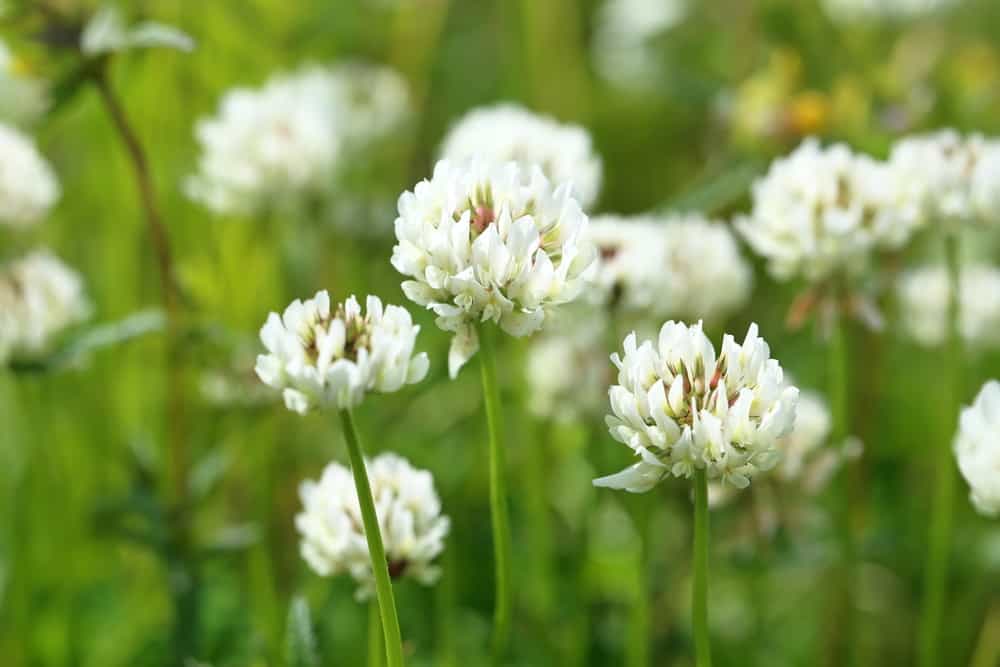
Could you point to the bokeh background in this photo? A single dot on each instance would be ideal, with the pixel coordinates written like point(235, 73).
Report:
point(684, 115)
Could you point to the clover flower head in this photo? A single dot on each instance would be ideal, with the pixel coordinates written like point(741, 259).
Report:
point(954, 177)
point(39, 297)
point(822, 210)
point(409, 516)
point(679, 408)
point(28, 187)
point(681, 266)
point(977, 448)
point(484, 242)
point(508, 132)
point(321, 357)
point(924, 295)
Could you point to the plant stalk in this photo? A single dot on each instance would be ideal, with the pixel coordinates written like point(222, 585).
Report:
point(498, 493)
point(376, 650)
point(699, 591)
point(380, 566)
point(939, 539)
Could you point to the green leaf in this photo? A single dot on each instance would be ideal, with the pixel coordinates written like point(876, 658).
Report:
point(301, 645)
point(78, 347)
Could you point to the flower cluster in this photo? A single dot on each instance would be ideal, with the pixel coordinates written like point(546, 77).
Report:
point(679, 408)
point(28, 187)
point(924, 296)
point(508, 132)
point(284, 142)
point(39, 297)
point(409, 516)
point(320, 357)
point(682, 266)
point(956, 178)
point(822, 210)
point(566, 369)
point(977, 447)
point(485, 242)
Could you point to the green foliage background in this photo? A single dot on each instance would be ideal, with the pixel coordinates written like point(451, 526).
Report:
point(85, 573)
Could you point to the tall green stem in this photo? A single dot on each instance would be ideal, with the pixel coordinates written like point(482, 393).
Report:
point(842, 625)
point(939, 542)
point(383, 585)
point(699, 592)
point(376, 652)
point(498, 493)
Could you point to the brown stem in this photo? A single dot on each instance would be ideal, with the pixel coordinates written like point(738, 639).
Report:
point(185, 594)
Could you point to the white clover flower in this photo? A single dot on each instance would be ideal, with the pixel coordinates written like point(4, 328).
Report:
point(923, 302)
point(680, 266)
point(567, 367)
point(286, 141)
point(28, 187)
point(39, 297)
point(485, 243)
point(624, 39)
point(106, 32)
point(680, 409)
point(409, 516)
point(954, 177)
point(868, 10)
point(977, 448)
point(371, 101)
point(322, 358)
point(272, 145)
point(821, 210)
point(507, 132)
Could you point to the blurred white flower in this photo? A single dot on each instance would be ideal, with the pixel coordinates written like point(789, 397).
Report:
point(323, 358)
point(954, 177)
point(39, 297)
point(106, 32)
point(22, 97)
point(624, 39)
point(986, 184)
point(28, 187)
point(409, 516)
point(868, 10)
point(977, 448)
point(923, 304)
point(508, 132)
point(485, 243)
point(370, 101)
point(680, 409)
point(268, 146)
point(567, 367)
point(284, 142)
point(680, 266)
point(812, 429)
point(821, 210)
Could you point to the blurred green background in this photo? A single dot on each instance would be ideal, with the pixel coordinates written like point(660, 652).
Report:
point(86, 571)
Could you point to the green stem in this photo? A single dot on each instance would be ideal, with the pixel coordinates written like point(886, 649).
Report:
point(376, 654)
point(383, 585)
point(498, 493)
point(841, 627)
point(699, 592)
point(939, 540)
